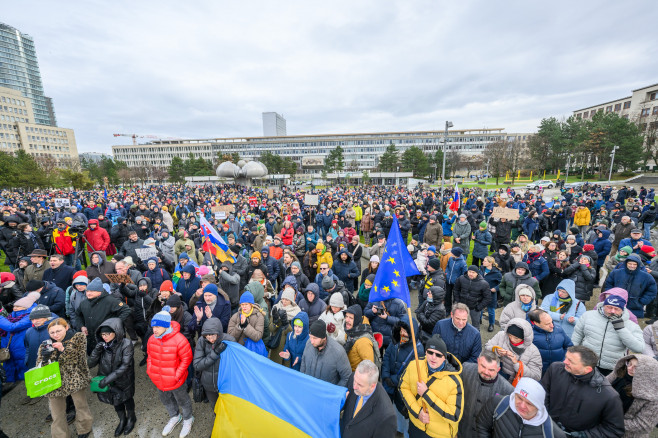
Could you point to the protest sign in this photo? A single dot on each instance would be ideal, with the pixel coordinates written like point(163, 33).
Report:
point(311, 199)
point(511, 214)
point(119, 278)
point(146, 253)
point(62, 202)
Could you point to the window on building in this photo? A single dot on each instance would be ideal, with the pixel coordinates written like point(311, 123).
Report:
point(579, 116)
point(655, 110)
point(645, 112)
point(618, 107)
point(608, 109)
point(627, 104)
point(585, 114)
point(652, 96)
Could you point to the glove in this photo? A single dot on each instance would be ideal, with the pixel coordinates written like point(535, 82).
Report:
point(331, 327)
point(103, 383)
point(389, 382)
point(618, 324)
point(219, 347)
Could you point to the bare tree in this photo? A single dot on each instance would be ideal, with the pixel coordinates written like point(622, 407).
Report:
point(141, 174)
point(455, 158)
point(159, 174)
point(126, 176)
point(497, 153)
point(48, 165)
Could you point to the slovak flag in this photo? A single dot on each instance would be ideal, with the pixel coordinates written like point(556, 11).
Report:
point(454, 205)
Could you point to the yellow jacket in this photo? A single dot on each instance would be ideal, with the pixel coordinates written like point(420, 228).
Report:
point(582, 216)
point(361, 350)
point(444, 398)
point(324, 255)
point(359, 212)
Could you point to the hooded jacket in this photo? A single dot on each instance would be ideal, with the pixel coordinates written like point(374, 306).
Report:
point(395, 308)
point(596, 332)
point(514, 309)
point(313, 308)
point(16, 330)
point(583, 276)
point(429, 313)
point(583, 403)
point(168, 358)
point(206, 359)
point(511, 280)
point(187, 288)
point(98, 270)
point(396, 358)
point(551, 304)
point(455, 267)
point(115, 361)
point(444, 397)
point(221, 311)
point(505, 262)
point(474, 293)
point(97, 239)
point(640, 285)
point(529, 355)
point(602, 247)
point(346, 271)
point(329, 364)
point(640, 418)
point(34, 336)
point(359, 341)
point(295, 344)
point(157, 275)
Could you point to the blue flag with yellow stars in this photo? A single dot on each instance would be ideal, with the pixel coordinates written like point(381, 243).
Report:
point(395, 266)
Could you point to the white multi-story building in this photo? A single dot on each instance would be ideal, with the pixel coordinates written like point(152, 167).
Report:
point(274, 125)
point(360, 151)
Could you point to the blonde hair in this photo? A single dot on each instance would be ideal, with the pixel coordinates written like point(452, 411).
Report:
point(59, 321)
point(492, 261)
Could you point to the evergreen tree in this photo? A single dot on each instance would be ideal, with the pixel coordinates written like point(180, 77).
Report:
point(390, 160)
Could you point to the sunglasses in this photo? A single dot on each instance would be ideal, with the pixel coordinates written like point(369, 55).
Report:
point(432, 353)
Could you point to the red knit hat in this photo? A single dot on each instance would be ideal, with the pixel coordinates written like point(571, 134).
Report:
point(648, 249)
point(588, 247)
point(167, 285)
point(80, 277)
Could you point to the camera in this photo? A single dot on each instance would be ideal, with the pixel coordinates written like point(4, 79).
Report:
point(48, 348)
point(77, 229)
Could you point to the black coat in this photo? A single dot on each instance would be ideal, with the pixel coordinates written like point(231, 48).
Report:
point(376, 419)
point(583, 403)
point(583, 277)
point(206, 360)
point(474, 293)
point(509, 424)
point(92, 313)
point(62, 276)
point(116, 363)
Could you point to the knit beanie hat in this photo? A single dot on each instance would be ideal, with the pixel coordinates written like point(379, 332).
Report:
point(174, 301)
point(34, 285)
point(627, 249)
point(610, 300)
point(374, 258)
point(256, 255)
point(167, 285)
point(370, 279)
point(27, 301)
point(247, 297)
point(435, 264)
point(437, 344)
point(40, 311)
point(474, 269)
point(515, 330)
point(483, 224)
point(211, 289)
point(318, 329)
point(80, 277)
point(289, 294)
point(162, 318)
point(431, 248)
point(297, 265)
point(183, 255)
point(336, 300)
point(96, 285)
point(457, 251)
point(647, 249)
point(588, 247)
point(328, 283)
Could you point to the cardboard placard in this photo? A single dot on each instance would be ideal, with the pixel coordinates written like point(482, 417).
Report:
point(146, 253)
point(119, 278)
point(311, 199)
point(510, 214)
point(270, 193)
point(220, 215)
point(62, 202)
point(225, 208)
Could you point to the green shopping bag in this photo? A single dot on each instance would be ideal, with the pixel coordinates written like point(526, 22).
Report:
point(42, 380)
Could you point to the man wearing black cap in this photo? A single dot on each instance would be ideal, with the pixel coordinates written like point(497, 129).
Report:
point(472, 290)
point(50, 295)
point(635, 241)
point(324, 358)
point(435, 399)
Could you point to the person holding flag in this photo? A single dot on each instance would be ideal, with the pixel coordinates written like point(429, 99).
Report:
point(456, 200)
point(213, 243)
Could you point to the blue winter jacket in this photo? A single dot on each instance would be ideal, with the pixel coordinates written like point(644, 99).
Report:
point(157, 276)
point(482, 240)
point(639, 284)
point(222, 311)
point(17, 329)
point(602, 247)
point(310, 244)
point(271, 264)
point(346, 271)
point(33, 338)
point(398, 355)
point(53, 297)
point(396, 309)
point(455, 268)
point(447, 225)
point(538, 268)
point(295, 345)
point(632, 242)
point(187, 288)
point(465, 345)
point(529, 226)
point(551, 304)
point(551, 345)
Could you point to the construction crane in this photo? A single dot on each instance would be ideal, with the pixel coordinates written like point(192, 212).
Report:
point(136, 136)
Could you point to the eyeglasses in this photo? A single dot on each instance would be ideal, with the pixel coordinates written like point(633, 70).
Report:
point(630, 363)
point(432, 353)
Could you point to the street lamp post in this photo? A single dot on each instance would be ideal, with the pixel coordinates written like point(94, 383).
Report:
point(566, 180)
point(612, 162)
point(443, 171)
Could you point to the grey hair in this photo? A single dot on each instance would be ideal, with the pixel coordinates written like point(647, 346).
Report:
point(123, 263)
point(490, 357)
point(370, 369)
point(459, 306)
point(57, 256)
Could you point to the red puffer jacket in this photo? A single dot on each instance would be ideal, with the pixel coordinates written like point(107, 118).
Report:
point(168, 359)
point(287, 235)
point(97, 238)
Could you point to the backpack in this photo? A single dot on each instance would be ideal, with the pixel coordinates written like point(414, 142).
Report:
point(503, 406)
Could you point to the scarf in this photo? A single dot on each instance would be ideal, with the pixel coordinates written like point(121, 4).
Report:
point(356, 332)
point(436, 370)
point(565, 303)
point(247, 315)
point(13, 319)
point(532, 257)
point(166, 332)
point(526, 307)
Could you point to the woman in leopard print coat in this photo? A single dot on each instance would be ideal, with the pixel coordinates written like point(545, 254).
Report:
point(69, 349)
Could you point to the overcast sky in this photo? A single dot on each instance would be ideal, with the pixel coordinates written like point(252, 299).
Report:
point(201, 69)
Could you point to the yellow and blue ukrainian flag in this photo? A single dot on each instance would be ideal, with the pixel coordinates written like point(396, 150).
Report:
point(259, 398)
point(395, 266)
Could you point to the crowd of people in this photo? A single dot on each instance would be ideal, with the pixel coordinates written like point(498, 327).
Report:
point(293, 284)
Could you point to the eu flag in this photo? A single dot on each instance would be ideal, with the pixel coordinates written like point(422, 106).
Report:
point(395, 266)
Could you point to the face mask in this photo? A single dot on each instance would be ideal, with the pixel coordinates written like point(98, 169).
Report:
point(404, 339)
point(430, 300)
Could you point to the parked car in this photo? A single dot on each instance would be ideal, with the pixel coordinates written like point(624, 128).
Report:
point(574, 185)
point(545, 183)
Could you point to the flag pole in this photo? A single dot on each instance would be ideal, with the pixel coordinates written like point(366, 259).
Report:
point(413, 340)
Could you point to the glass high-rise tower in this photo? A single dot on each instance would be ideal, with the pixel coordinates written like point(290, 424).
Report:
point(19, 70)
